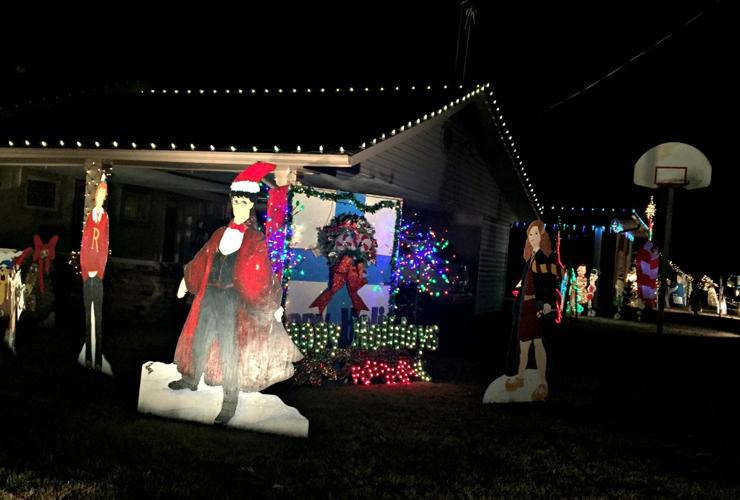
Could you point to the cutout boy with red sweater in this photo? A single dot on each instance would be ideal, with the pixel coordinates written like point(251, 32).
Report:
point(93, 258)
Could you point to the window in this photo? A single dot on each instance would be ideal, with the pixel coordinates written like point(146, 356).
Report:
point(136, 207)
point(41, 194)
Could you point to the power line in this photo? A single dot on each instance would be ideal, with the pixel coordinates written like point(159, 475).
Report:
point(628, 62)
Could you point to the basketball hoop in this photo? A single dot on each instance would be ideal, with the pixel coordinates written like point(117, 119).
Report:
point(673, 164)
point(668, 176)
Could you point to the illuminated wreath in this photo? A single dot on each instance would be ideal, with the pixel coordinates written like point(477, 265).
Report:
point(350, 235)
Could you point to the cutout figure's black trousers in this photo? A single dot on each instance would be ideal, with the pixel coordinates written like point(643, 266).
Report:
point(92, 295)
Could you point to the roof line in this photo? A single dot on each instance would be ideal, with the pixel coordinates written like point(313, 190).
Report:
point(419, 125)
point(194, 160)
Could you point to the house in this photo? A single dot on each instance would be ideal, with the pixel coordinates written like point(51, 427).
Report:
point(446, 151)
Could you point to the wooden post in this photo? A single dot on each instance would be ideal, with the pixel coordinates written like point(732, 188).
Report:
point(93, 174)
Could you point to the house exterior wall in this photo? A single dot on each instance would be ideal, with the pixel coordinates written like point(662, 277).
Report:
point(139, 286)
point(446, 167)
point(20, 221)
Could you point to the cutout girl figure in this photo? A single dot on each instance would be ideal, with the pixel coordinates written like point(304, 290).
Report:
point(537, 301)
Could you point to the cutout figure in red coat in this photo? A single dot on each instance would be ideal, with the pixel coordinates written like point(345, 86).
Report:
point(234, 336)
point(93, 258)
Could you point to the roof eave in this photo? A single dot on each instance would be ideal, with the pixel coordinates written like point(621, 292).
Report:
point(192, 160)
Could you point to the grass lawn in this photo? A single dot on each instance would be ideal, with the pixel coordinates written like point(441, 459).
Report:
point(630, 415)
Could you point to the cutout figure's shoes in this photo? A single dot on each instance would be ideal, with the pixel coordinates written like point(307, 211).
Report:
point(514, 383)
point(228, 409)
point(177, 385)
point(540, 394)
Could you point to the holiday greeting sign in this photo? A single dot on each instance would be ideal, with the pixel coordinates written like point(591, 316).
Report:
point(342, 247)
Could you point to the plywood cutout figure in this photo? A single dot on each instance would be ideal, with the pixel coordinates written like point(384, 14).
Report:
point(581, 289)
point(233, 335)
point(679, 294)
point(591, 290)
point(93, 261)
point(619, 291)
point(11, 294)
point(537, 306)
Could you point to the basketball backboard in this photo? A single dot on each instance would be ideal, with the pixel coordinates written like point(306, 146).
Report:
point(673, 164)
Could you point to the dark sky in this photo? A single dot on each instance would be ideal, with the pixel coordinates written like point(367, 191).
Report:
point(579, 151)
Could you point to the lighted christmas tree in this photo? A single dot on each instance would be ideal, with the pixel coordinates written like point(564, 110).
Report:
point(426, 268)
point(424, 259)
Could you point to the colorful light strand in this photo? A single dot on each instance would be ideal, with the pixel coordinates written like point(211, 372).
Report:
point(420, 263)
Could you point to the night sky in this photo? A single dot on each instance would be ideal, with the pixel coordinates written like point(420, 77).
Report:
point(579, 150)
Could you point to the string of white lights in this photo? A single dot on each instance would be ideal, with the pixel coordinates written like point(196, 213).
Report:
point(591, 209)
point(47, 100)
point(320, 90)
point(507, 139)
point(495, 111)
point(275, 148)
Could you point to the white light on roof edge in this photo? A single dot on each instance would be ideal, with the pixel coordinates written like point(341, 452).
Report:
point(479, 88)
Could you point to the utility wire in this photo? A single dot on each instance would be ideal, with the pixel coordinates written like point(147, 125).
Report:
point(629, 61)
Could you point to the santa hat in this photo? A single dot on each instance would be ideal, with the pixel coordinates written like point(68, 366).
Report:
point(248, 180)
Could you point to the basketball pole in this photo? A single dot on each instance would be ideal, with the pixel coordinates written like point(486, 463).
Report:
point(670, 165)
point(664, 258)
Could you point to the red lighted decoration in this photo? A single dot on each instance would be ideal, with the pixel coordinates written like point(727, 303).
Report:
point(43, 254)
point(558, 296)
point(277, 212)
point(391, 374)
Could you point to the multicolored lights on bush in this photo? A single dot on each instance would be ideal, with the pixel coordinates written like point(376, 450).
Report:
point(420, 262)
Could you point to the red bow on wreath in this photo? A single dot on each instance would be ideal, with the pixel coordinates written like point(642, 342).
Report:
point(43, 254)
point(344, 272)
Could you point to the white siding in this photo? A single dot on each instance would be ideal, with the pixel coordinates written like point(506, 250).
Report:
point(492, 266)
point(443, 166)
